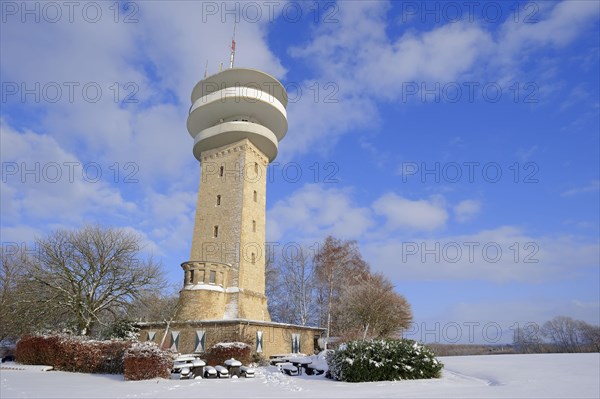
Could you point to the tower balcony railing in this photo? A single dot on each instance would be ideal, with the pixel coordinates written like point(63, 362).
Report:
point(225, 104)
point(201, 273)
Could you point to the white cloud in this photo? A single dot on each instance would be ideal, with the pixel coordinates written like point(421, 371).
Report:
point(171, 219)
point(525, 154)
point(591, 187)
point(42, 181)
point(556, 26)
point(504, 254)
point(420, 215)
point(358, 54)
point(324, 117)
point(37, 202)
point(466, 210)
point(313, 212)
point(162, 65)
point(368, 65)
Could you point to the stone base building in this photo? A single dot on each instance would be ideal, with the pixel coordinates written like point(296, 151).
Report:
point(265, 338)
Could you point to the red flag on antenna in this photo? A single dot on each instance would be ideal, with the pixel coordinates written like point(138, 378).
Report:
point(233, 44)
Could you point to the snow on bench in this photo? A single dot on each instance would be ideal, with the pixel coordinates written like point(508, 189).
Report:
point(284, 358)
point(233, 366)
point(187, 358)
point(222, 372)
point(233, 363)
point(247, 372)
point(210, 372)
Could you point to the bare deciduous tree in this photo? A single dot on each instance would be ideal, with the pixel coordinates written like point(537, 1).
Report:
point(298, 282)
point(371, 308)
point(564, 332)
point(11, 292)
point(527, 339)
point(91, 273)
point(337, 264)
point(590, 335)
point(277, 300)
point(335, 290)
point(291, 288)
point(153, 305)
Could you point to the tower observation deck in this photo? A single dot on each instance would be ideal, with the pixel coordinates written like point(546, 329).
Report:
point(238, 104)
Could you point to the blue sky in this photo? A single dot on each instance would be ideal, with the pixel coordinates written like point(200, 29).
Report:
point(458, 144)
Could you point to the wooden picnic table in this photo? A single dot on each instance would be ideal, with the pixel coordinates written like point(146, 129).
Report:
point(300, 363)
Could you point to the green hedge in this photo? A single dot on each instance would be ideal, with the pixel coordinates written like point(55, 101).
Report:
point(383, 360)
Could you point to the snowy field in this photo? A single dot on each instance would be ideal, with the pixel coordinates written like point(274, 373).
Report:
point(499, 376)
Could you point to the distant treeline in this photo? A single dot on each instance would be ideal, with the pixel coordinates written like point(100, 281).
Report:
point(469, 349)
point(559, 335)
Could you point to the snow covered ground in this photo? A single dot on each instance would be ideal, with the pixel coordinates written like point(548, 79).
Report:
point(498, 376)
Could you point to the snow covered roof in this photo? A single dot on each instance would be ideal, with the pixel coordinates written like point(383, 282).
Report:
point(228, 321)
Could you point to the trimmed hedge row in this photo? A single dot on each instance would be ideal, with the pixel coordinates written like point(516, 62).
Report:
point(226, 350)
point(75, 354)
point(144, 360)
point(383, 360)
point(72, 353)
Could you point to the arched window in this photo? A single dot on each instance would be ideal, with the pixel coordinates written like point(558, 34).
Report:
point(255, 196)
point(254, 226)
point(216, 231)
point(218, 200)
point(221, 170)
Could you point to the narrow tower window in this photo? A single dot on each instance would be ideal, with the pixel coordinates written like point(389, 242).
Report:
point(218, 200)
point(221, 170)
point(191, 277)
point(253, 258)
point(256, 168)
point(213, 277)
point(216, 231)
point(254, 226)
point(255, 195)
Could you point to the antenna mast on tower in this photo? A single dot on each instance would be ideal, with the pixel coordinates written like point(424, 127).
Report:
point(232, 57)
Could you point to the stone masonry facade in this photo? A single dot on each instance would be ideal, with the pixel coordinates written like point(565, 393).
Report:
point(225, 277)
point(265, 338)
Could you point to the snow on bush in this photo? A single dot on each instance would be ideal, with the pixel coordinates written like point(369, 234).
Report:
point(75, 354)
point(124, 329)
point(222, 351)
point(145, 360)
point(383, 360)
point(137, 361)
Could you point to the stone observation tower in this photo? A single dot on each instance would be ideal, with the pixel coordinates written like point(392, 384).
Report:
point(237, 119)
